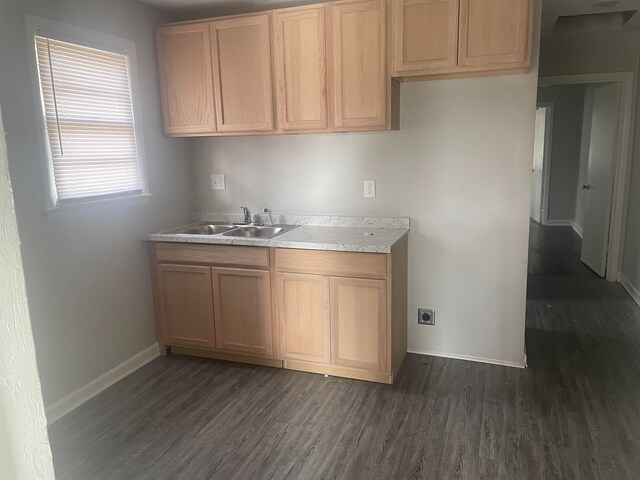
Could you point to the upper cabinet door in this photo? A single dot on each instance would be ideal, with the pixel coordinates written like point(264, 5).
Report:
point(300, 68)
point(186, 79)
point(359, 77)
point(242, 73)
point(425, 35)
point(495, 33)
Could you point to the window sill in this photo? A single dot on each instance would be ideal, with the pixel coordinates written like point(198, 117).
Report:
point(91, 207)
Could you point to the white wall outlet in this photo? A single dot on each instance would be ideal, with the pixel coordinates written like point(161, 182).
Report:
point(218, 183)
point(369, 188)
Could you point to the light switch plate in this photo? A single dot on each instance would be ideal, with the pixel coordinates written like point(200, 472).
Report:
point(218, 183)
point(369, 188)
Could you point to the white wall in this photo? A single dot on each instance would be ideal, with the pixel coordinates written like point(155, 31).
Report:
point(460, 167)
point(87, 276)
point(568, 101)
point(599, 53)
point(24, 444)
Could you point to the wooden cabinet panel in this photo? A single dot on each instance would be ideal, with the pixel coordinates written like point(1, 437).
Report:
point(359, 81)
point(346, 264)
point(304, 317)
point(186, 79)
point(186, 306)
point(425, 35)
point(359, 323)
point(214, 254)
point(242, 300)
point(494, 32)
point(300, 68)
point(242, 73)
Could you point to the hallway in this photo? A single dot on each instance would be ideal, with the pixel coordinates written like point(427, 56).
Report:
point(583, 347)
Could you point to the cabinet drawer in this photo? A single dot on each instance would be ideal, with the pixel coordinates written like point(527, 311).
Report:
point(339, 264)
point(216, 254)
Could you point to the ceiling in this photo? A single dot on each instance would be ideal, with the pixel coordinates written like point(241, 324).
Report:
point(552, 9)
point(210, 8)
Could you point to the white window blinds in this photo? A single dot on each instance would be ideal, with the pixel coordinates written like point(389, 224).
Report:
point(87, 104)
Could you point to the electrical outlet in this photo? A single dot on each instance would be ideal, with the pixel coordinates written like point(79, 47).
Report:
point(426, 316)
point(369, 188)
point(217, 182)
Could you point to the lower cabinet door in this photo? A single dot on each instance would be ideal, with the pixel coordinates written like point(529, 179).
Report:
point(242, 300)
point(304, 317)
point(186, 305)
point(359, 327)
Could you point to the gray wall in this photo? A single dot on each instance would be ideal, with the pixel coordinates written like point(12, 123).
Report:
point(601, 52)
point(460, 167)
point(87, 276)
point(568, 101)
point(24, 444)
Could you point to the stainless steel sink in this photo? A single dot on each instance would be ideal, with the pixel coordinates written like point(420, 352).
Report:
point(255, 231)
point(206, 229)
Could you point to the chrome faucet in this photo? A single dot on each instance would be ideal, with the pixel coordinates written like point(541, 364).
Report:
point(247, 215)
point(268, 212)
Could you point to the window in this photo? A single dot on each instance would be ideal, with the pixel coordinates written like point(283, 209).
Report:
point(86, 97)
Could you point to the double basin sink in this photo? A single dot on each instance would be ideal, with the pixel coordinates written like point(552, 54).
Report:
point(229, 230)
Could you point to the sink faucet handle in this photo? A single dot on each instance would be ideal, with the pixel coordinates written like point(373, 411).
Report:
point(268, 212)
point(247, 214)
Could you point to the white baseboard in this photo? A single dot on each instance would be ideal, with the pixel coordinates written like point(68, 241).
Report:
point(75, 399)
point(577, 228)
point(470, 358)
point(559, 223)
point(629, 287)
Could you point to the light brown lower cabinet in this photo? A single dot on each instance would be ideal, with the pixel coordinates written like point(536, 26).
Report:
point(186, 306)
point(359, 323)
point(242, 303)
point(334, 313)
point(356, 300)
point(305, 317)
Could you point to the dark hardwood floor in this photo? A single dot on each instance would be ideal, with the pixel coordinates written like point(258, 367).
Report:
point(573, 414)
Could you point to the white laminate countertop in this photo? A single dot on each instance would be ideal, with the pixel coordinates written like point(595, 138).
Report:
point(307, 237)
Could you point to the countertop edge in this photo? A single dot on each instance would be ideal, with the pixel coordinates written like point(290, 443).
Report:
point(274, 243)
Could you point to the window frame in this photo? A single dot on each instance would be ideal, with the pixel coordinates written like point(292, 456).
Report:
point(82, 36)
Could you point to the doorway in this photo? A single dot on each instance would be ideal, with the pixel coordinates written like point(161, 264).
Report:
point(541, 161)
point(581, 155)
point(597, 191)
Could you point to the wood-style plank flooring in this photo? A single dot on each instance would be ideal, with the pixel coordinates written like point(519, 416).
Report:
point(573, 414)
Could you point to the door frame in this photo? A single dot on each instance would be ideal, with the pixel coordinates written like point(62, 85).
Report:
point(546, 161)
point(622, 160)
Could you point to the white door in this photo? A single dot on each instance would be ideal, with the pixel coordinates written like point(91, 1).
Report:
point(599, 187)
point(538, 164)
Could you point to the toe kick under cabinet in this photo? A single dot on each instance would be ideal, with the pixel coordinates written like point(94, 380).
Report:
point(335, 313)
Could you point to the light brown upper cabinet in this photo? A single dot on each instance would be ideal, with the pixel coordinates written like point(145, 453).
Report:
point(426, 34)
point(242, 73)
point(186, 307)
point(300, 68)
point(242, 300)
point(359, 80)
point(186, 81)
point(451, 38)
point(494, 32)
